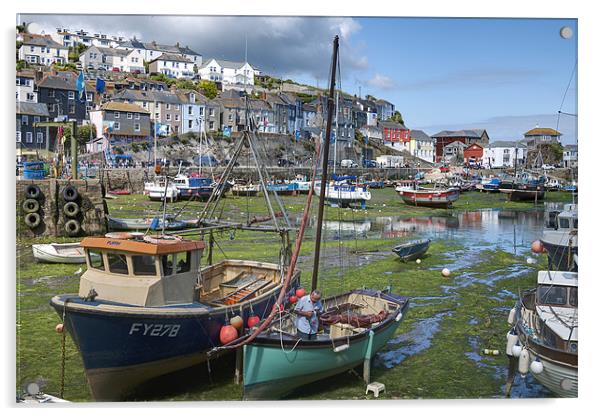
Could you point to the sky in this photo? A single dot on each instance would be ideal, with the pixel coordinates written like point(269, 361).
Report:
point(504, 75)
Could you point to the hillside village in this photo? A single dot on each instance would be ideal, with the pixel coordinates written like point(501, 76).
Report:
point(127, 94)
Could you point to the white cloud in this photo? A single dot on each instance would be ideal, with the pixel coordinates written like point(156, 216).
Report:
point(381, 82)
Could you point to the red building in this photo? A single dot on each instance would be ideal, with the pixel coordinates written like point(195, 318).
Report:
point(468, 137)
point(473, 153)
point(394, 132)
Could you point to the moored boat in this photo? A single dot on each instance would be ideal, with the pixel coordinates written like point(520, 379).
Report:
point(145, 307)
point(143, 224)
point(59, 253)
point(286, 188)
point(342, 191)
point(560, 238)
point(412, 250)
point(303, 185)
point(356, 326)
point(193, 187)
point(245, 189)
point(437, 197)
point(157, 191)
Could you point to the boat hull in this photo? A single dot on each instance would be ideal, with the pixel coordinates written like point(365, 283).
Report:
point(559, 257)
point(271, 373)
point(431, 199)
point(526, 194)
point(559, 377)
point(412, 252)
point(45, 253)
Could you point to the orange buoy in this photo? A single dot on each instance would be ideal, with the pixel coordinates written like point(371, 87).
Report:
point(252, 321)
point(59, 328)
point(227, 334)
point(300, 292)
point(293, 299)
point(537, 246)
point(237, 322)
point(157, 169)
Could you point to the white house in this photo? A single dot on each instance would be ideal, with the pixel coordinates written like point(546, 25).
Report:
point(68, 38)
point(227, 72)
point(25, 87)
point(174, 66)
point(109, 58)
point(569, 156)
point(502, 154)
point(153, 50)
point(41, 49)
point(193, 111)
point(422, 145)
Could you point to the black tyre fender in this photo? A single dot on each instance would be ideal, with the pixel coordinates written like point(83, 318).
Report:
point(32, 219)
point(32, 191)
point(72, 227)
point(70, 193)
point(71, 209)
point(30, 206)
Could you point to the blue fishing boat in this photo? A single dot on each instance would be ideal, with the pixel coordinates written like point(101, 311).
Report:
point(290, 188)
point(145, 307)
point(412, 249)
point(490, 184)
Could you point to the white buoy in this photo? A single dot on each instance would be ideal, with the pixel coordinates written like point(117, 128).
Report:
point(530, 260)
point(516, 350)
point(445, 272)
point(523, 362)
point(511, 343)
point(418, 261)
point(511, 316)
point(536, 367)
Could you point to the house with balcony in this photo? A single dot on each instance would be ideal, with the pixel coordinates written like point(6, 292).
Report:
point(172, 65)
point(467, 137)
point(422, 145)
point(227, 72)
point(504, 154)
point(42, 50)
point(109, 58)
point(569, 156)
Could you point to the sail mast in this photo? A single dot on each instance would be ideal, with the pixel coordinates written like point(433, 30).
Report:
point(314, 277)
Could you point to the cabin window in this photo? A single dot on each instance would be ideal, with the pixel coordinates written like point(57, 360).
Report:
point(182, 262)
point(144, 265)
point(552, 217)
point(573, 297)
point(96, 260)
point(117, 263)
point(575, 223)
point(167, 263)
point(564, 223)
point(552, 295)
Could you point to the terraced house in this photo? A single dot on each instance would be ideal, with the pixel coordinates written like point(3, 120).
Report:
point(108, 58)
point(41, 49)
point(153, 50)
point(30, 136)
point(59, 93)
point(172, 65)
point(120, 123)
point(165, 107)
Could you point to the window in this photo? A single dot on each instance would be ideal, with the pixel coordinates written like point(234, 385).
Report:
point(130, 116)
point(201, 110)
point(137, 116)
point(168, 117)
point(189, 124)
point(182, 262)
point(167, 263)
point(189, 110)
point(116, 126)
point(116, 114)
point(30, 96)
point(136, 126)
point(36, 119)
point(575, 223)
point(71, 108)
point(29, 137)
point(24, 120)
point(71, 95)
point(144, 265)
point(211, 124)
point(564, 222)
point(551, 295)
point(89, 96)
point(19, 137)
point(95, 259)
point(211, 112)
point(117, 263)
point(39, 137)
point(177, 117)
point(573, 297)
point(177, 106)
point(167, 106)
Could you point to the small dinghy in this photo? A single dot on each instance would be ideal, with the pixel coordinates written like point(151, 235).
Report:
point(59, 253)
point(412, 249)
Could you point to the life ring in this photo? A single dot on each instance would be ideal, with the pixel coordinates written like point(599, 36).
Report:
point(72, 227)
point(30, 205)
point(162, 239)
point(32, 191)
point(70, 193)
point(121, 235)
point(33, 219)
point(71, 209)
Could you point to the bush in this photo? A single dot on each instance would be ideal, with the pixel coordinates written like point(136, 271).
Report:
point(118, 150)
point(135, 147)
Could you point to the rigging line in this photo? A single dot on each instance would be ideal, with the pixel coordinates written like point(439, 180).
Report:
point(564, 95)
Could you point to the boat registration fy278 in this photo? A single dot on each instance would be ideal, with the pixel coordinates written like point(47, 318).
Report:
point(155, 330)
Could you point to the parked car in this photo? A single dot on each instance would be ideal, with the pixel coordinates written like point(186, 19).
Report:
point(115, 69)
point(348, 163)
point(206, 160)
point(547, 167)
point(136, 71)
point(90, 67)
point(369, 163)
point(185, 163)
point(285, 162)
point(444, 169)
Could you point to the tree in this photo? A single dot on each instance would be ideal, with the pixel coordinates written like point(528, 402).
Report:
point(208, 88)
point(84, 133)
point(146, 65)
point(22, 28)
point(185, 84)
point(163, 78)
point(397, 117)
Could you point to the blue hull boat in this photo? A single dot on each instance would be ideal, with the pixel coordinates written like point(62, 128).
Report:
point(412, 249)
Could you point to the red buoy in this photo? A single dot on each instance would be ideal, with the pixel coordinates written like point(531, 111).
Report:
point(300, 292)
point(252, 321)
point(227, 334)
point(293, 299)
point(537, 246)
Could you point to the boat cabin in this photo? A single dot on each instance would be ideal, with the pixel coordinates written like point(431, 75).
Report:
point(565, 220)
point(155, 272)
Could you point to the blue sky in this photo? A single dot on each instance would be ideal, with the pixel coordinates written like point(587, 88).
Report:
point(506, 75)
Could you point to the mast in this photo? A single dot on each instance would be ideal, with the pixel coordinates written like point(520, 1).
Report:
point(314, 277)
point(155, 133)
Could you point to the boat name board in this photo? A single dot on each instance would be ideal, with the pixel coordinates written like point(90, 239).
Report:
point(155, 330)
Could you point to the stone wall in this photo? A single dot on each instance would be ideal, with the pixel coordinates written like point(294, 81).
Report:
point(92, 208)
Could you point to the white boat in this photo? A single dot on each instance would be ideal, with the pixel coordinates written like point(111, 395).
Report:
point(341, 191)
point(245, 189)
point(303, 185)
point(560, 238)
point(59, 253)
point(156, 190)
point(545, 333)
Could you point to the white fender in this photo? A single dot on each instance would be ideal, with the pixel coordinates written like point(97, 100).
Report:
point(523, 362)
point(516, 350)
point(536, 367)
point(512, 340)
point(511, 316)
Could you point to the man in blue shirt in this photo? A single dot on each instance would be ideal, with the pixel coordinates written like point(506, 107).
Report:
point(307, 309)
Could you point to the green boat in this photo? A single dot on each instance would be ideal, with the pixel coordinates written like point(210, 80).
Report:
point(359, 324)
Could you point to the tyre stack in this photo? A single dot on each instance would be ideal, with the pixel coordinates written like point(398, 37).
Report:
point(32, 214)
point(71, 211)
